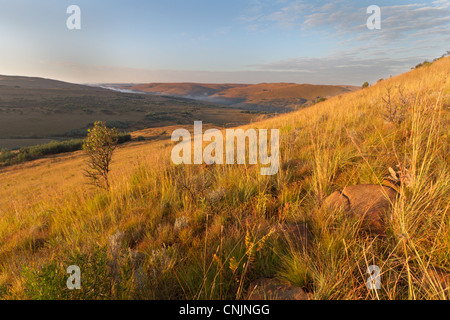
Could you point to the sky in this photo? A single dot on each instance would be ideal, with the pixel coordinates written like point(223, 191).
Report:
point(227, 41)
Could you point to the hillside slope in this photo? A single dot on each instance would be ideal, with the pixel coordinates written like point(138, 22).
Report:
point(206, 232)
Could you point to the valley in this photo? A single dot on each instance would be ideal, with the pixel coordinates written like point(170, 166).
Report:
point(268, 97)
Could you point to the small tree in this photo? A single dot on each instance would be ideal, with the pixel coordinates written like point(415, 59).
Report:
point(99, 145)
point(365, 85)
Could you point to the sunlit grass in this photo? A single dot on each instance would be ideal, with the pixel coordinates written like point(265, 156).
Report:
point(205, 232)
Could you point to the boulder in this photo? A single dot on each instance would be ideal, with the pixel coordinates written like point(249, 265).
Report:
point(274, 289)
point(369, 202)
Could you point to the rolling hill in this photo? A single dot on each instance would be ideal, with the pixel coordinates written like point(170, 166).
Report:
point(272, 97)
point(36, 110)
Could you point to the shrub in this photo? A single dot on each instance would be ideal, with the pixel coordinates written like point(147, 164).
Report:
point(99, 145)
point(118, 124)
point(3, 291)
point(6, 156)
point(55, 147)
point(320, 99)
point(97, 280)
point(396, 107)
point(365, 85)
point(423, 64)
point(123, 137)
point(158, 116)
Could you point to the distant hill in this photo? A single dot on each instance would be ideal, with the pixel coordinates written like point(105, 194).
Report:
point(273, 97)
point(36, 110)
point(35, 83)
point(192, 90)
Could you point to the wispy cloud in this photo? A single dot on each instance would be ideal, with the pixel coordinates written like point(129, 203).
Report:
point(408, 33)
point(263, 14)
point(348, 67)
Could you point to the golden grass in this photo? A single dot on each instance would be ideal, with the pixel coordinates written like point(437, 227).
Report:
point(205, 232)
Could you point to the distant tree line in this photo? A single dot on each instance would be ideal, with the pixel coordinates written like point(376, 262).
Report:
point(422, 64)
point(8, 157)
point(427, 63)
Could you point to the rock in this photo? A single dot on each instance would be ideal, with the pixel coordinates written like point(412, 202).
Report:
point(369, 202)
point(274, 289)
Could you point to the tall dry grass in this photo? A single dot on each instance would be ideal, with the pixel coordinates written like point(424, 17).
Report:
point(205, 232)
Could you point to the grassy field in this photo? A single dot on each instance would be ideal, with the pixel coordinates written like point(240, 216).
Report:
point(206, 232)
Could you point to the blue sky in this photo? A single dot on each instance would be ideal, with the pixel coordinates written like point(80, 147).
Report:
point(238, 41)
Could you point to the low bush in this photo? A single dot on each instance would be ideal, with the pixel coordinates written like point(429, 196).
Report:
point(98, 278)
point(5, 157)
